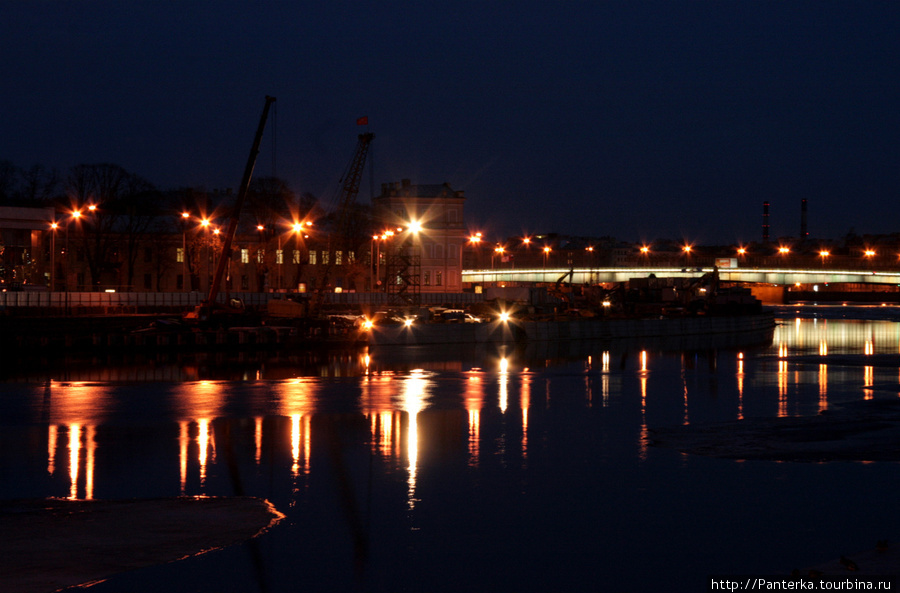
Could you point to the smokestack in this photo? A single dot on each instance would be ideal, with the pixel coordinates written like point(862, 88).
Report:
point(765, 222)
point(804, 235)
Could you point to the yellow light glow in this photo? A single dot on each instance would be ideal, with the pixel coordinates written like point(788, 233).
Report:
point(408, 321)
point(784, 250)
point(504, 316)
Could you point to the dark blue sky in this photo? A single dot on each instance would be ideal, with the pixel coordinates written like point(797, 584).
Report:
point(632, 119)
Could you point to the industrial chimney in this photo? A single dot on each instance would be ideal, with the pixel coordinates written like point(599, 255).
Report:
point(804, 234)
point(765, 222)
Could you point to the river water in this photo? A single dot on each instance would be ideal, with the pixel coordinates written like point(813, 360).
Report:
point(475, 470)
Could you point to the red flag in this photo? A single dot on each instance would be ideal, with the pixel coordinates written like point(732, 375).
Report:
point(362, 121)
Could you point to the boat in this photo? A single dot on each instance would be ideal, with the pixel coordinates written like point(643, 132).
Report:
point(641, 308)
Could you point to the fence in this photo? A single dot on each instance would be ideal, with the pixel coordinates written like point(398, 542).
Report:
point(133, 302)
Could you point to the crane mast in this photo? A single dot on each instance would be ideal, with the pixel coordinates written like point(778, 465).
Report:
point(349, 190)
point(352, 179)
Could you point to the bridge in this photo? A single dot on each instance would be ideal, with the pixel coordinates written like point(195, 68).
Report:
point(779, 276)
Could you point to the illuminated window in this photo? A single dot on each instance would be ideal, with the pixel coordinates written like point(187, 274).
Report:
point(260, 256)
point(338, 257)
point(279, 256)
point(179, 255)
point(296, 257)
point(245, 256)
point(325, 257)
point(312, 257)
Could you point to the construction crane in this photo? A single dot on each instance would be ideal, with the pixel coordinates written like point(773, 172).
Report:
point(206, 308)
point(340, 234)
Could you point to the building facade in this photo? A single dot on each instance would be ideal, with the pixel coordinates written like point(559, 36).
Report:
point(427, 222)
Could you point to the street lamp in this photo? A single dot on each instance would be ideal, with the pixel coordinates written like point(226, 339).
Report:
point(824, 255)
point(499, 249)
point(185, 216)
point(53, 227)
point(546, 255)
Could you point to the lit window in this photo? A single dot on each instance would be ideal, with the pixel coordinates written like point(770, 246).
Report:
point(312, 257)
point(338, 257)
point(245, 256)
point(179, 255)
point(260, 256)
point(296, 258)
point(279, 256)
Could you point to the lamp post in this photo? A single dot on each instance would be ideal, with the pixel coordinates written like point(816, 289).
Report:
point(645, 254)
point(547, 251)
point(184, 277)
point(53, 227)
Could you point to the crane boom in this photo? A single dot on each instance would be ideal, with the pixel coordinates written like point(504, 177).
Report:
point(236, 213)
point(352, 179)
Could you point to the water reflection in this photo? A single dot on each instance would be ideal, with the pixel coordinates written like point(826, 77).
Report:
point(403, 422)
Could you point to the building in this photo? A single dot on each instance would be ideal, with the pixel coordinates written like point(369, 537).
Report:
point(427, 225)
point(24, 247)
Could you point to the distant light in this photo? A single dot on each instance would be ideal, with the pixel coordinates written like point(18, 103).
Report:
point(504, 365)
point(260, 227)
point(607, 304)
point(824, 253)
point(504, 316)
point(870, 252)
point(110, 290)
point(742, 251)
point(367, 324)
point(645, 249)
point(408, 321)
point(784, 250)
point(415, 226)
point(338, 290)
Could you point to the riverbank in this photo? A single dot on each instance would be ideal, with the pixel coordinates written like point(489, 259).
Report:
point(50, 544)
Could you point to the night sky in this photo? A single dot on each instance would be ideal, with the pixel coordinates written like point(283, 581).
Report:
point(639, 120)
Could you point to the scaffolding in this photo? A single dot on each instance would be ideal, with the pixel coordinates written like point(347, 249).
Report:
point(403, 272)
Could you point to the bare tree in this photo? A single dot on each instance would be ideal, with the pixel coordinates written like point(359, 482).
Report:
point(111, 203)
